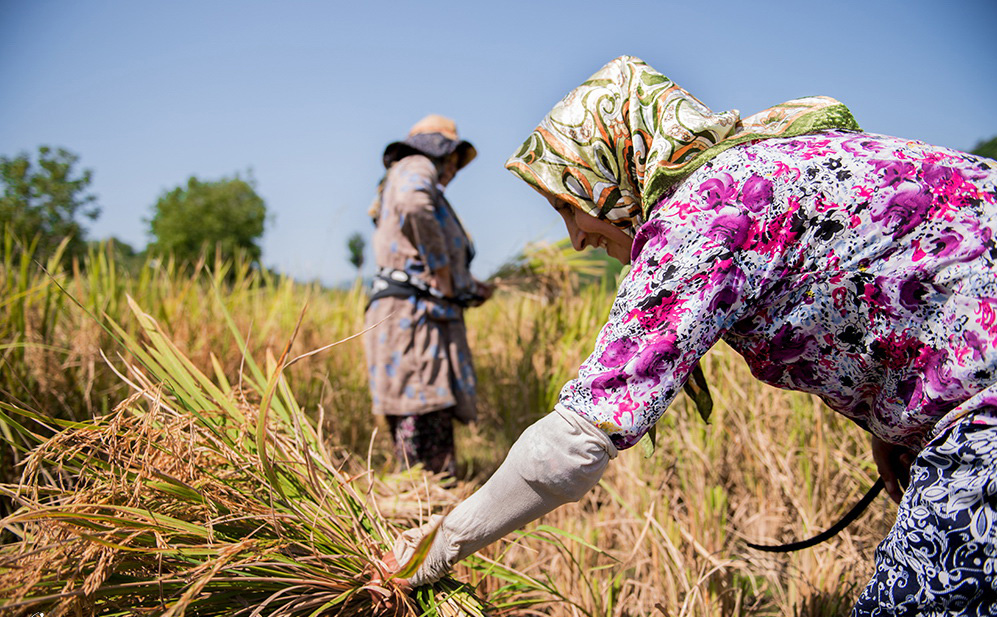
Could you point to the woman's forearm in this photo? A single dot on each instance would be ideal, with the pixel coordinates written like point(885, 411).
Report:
point(555, 461)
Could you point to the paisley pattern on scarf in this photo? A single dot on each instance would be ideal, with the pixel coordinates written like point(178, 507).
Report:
point(616, 143)
point(940, 557)
point(862, 268)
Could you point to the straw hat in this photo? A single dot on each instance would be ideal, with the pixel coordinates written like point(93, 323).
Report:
point(434, 136)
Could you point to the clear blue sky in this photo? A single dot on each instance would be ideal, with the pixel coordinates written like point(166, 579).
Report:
point(307, 94)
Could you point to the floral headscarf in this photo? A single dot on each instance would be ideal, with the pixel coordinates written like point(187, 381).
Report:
point(615, 144)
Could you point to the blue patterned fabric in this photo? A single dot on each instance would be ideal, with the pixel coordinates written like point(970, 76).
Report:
point(941, 555)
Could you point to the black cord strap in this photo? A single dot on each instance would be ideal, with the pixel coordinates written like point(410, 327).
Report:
point(845, 521)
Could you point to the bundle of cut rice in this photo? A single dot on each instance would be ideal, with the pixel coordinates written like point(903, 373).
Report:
point(201, 498)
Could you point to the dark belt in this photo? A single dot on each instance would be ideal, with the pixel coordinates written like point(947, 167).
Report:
point(390, 283)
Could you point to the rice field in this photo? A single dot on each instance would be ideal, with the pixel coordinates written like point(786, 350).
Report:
point(658, 536)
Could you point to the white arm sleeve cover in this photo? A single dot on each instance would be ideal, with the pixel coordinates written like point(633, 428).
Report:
point(555, 461)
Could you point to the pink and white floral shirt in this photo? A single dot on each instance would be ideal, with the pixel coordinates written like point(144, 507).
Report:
point(859, 267)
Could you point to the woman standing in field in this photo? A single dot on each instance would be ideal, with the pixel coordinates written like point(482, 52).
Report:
point(419, 364)
point(859, 267)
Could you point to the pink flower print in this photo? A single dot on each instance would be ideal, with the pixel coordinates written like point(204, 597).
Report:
point(718, 191)
point(782, 168)
point(838, 297)
point(932, 363)
point(618, 352)
point(937, 176)
point(662, 308)
point(863, 192)
point(975, 343)
point(944, 245)
point(756, 193)
point(623, 416)
point(912, 293)
point(731, 230)
point(781, 231)
point(788, 345)
point(987, 313)
point(897, 350)
point(815, 149)
point(858, 145)
point(605, 384)
point(905, 210)
point(656, 358)
point(723, 300)
point(947, 243)
point(873, 294)
point(895, 172)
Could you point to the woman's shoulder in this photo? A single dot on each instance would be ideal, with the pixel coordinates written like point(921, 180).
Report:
point(841, 142)
point(415, 167)
point(411, 185)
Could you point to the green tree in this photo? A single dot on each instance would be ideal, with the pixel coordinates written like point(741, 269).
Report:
point(356, 244)
point(45, 199)
point(987, 148)
point(226, 217)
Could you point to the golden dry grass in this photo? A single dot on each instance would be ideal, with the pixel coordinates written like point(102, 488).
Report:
point(663, 536)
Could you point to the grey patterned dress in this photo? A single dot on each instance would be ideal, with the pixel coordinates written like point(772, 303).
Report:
point(418, 358)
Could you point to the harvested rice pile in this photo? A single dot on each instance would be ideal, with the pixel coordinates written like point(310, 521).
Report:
point(196, 497)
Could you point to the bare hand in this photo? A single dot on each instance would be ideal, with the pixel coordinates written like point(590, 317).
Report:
point(391, 566)
point(485, 290)
point(893, 463)
point(381, 583)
